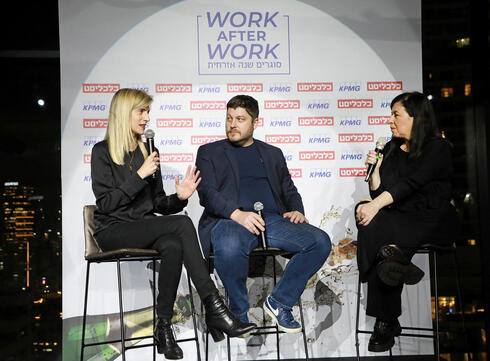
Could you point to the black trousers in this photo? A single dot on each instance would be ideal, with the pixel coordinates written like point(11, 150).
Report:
point(175, 238)
point(408, 231)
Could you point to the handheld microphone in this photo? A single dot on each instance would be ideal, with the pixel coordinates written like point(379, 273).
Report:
point(150, 134)
point(258, 207)
point(380, 144)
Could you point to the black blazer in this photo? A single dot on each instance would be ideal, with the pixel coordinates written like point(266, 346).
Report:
point(121, 195)
point(219, 187)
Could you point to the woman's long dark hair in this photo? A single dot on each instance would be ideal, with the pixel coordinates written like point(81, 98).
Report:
point(424, 125)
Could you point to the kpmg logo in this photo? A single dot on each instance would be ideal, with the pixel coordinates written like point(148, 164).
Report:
point(239, 42)
point(171, 106)
point(384, 85)
point(349, 87)
point(95, 123)
point(91, 141)
point(281, 104)
point(295, 172)
point(315, 121)
point(315, 87)
point(319, 173)
point(356, 137)
point(317, 155)
point(176, 157)
point(87, 158)
point(352, 172)
point(94, 107)
point(279, 88)
point(171, 141)
point(351, 156)
point(288, 157)
point(209, 89)
point(87, 179)
point(173, 88)
point(245, 87)
point(281, 122)
point(318, 104)
point(210, 123)
point(208, 105)
point(205, 139)
point(100, 88)
point(352, 121)
point(283, 138)
point(379, 120)
point(174, 123)
point(170, 176)
point(319, 139)
point(354, 103)
point(385, 104)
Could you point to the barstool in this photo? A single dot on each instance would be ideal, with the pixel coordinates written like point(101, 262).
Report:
point(94, 254)
point(433, 251)
point(265, 330)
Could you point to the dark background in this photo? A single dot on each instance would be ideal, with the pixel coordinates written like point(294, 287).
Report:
point(30, 154)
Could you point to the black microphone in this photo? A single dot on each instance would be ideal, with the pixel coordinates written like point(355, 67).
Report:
point(150, 134)
point(380, 144)
point(258, 207)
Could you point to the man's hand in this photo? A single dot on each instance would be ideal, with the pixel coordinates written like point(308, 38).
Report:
point(295, 217)
point(250, 220)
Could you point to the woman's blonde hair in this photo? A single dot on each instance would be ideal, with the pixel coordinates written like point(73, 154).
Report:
point(119, 135)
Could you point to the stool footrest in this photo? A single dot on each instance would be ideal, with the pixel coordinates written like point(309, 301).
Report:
point(407, 334)
point(139, 346)
point(116, 341)
point(187, 339)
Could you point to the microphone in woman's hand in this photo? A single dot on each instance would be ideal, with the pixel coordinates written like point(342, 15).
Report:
point(150, 135)
point(380, 144)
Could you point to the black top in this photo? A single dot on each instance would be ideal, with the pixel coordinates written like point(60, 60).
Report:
point(254, 185)
point(417, 184)
point(121, 195)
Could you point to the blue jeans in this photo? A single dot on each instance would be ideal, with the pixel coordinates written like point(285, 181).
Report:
point(232, 243)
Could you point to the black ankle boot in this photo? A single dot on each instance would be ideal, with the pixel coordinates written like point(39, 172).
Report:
point(165, 339)
point(219, 319)
point(395, 268)
point(383, 337)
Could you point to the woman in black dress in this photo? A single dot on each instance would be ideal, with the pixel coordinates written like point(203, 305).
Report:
point(128, 196)
point(410, 189)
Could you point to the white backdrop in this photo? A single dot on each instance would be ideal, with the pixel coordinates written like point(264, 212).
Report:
point(324, 73)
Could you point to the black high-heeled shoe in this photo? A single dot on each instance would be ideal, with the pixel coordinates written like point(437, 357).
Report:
point(220, 319)
point(166, 343)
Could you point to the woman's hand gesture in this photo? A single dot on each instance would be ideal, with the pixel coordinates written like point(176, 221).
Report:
point(189, 183)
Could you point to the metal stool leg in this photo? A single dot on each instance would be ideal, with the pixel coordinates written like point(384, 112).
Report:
point(154, 308)
point(193, 311)
point(84, 322)
point(121, 312)
point(207, 344)
point(358, 306)
point(277, 328)
point(303, 331)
